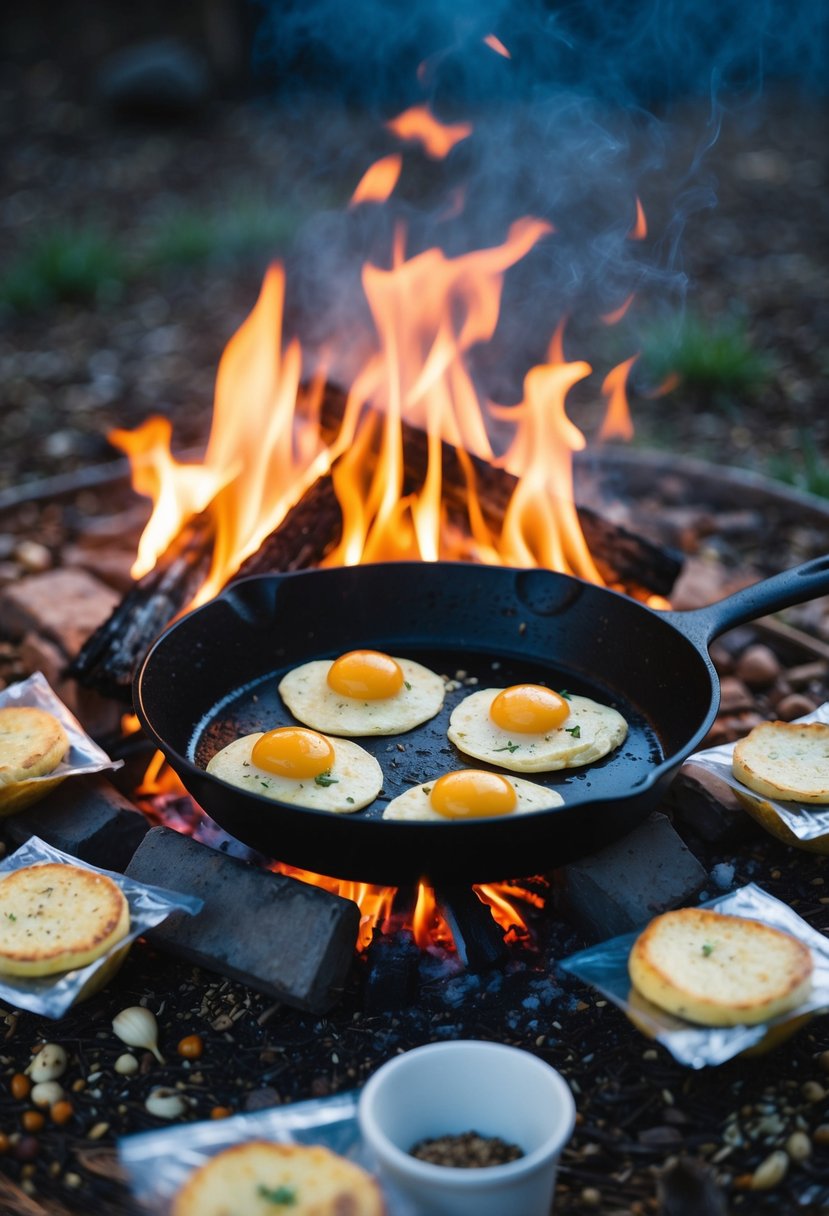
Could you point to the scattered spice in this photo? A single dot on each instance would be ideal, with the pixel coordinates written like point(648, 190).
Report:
point(467, 1150)
point(191, 1047)
point(20, 1086)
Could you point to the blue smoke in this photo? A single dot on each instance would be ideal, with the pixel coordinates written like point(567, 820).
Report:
point(637, 52)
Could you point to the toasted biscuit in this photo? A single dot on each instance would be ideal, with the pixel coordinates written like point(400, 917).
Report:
point(32, 743)
point(57, 917)
point(719, 970)
point(259, 1178)
point(785, 760)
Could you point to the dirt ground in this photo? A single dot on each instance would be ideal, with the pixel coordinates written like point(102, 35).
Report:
point(754, 245)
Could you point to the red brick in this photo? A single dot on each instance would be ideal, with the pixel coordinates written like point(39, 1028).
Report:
point(65, 606)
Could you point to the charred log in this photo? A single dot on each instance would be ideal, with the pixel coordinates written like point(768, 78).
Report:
point(111, 657)
point(478, 937)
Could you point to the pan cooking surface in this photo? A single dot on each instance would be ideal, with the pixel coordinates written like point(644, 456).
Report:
point(424, 753)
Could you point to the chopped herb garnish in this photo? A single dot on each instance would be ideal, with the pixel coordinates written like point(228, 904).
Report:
point(510, 747)
point(285, 1195)
point(575, 731)
point(707, 948)
point(11, 916)
point(568, 696)
point(325, 779)
point(427, 789)
point(408, 686)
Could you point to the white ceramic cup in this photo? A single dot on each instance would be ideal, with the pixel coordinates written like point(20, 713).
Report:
point(454, 1087)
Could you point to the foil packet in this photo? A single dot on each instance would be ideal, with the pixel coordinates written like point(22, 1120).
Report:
point(158, 1163)
point(800, 824)
point(84, 755)
point(605, 967)
point(52, 995)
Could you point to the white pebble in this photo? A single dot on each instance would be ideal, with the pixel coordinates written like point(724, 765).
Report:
point(165, 1103)
point(126, 1064)
point(46, 1093)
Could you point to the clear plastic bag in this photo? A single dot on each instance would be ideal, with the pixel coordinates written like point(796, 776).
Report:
point(605, 966)
point(52, 995)
point(792, 822)
point(84, 755)
point(159, 1162)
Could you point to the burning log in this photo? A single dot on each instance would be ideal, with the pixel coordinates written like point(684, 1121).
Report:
point(110, 658)
point(478, 938)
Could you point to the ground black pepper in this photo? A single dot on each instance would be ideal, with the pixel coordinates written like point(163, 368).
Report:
point(467, 1150)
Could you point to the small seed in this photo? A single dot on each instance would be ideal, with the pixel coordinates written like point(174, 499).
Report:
point(813, 1091)
point(126, 1064)
point(821, 1135)
point(27, 1147)
point(73, 1180)
point(165, 1103)
point(190, 1047)
point(5, 1143)
point(62, 1112)
point(221, 1112)
point(20, 1086)
point(49, 1064)
point(46, 1093)
point(32, 1120)
point(799, 1146)
point(770, 1172)
point(99, 1130)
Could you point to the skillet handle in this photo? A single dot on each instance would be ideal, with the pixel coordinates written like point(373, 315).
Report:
point(702, 625)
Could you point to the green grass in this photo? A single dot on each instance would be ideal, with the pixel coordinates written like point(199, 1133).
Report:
point(85, 265)
point(805, 469)
point(60, 264)
point(240, 228)
point(714, 357)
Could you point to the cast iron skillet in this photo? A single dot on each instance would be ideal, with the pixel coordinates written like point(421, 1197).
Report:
point(212, 676)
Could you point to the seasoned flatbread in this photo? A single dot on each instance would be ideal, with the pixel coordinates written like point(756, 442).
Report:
point(719, 970)
point(260, 1178)
point(57, 917)
point(788, 761)
point(32, 743)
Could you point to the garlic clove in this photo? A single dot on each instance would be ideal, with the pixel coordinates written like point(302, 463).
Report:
point(165, 1103)
point(46, 1093)
point(126, 1064)
point(49, 1063)
point(137, 1027)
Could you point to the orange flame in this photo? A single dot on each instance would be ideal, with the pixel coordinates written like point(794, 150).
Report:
point(379, 180)
point(613, 318)
point(437, 138)
point(429, 310)
point(260, 457)
point(640, 229)
point(617, 422)
point(496, 45)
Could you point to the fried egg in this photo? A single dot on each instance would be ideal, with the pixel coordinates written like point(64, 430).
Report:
point(531, 729)
point(363, 692)
point(301, 767)
point(471, 793)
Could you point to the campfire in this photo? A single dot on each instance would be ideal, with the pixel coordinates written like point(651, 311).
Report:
point(413, 462)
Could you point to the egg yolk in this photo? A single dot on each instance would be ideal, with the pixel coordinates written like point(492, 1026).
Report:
point(472, 793)
point(530, 709)
point(292, 751)
point(365, 675)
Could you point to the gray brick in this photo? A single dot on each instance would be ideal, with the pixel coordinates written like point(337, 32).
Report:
point(84, 816)
point(276, 934)
point(624, 885)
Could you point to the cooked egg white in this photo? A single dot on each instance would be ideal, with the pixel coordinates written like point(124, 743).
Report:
point(471, 794)
point(493, 727)
point(302, 768)
point(363, 692)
